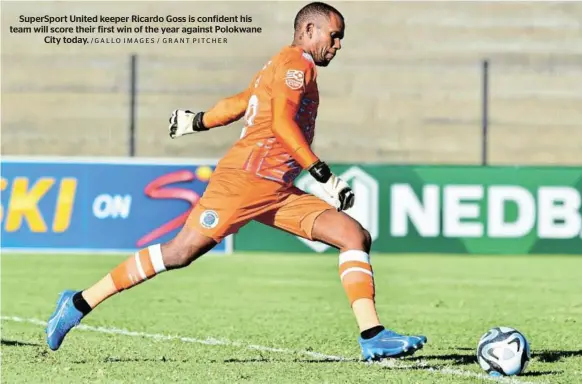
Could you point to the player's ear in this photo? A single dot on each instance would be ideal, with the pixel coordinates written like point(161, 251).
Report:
point(309, 29)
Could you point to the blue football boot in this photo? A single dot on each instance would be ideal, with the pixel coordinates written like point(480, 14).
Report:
point(63, 319)
point(390, 344)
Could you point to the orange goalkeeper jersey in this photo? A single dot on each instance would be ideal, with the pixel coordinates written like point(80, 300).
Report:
point(291, 73)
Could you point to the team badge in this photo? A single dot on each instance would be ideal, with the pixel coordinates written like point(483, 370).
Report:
point(294, 79)
point(209, 219)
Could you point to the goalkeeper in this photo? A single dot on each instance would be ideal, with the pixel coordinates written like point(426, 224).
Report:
point(254, 181)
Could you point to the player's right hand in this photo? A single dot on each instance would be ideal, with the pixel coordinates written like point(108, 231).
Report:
point(338, 190)
point(184, 122)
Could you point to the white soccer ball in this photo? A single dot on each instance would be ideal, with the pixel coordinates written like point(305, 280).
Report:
point(503, 351)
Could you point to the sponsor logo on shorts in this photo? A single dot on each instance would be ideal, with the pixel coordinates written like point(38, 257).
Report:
point(294, 78)
point(209, 219)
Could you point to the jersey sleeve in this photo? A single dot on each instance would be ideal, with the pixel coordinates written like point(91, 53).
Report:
point(290, 80)
point(227, 110)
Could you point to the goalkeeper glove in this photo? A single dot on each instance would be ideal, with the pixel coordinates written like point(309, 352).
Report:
point(338, 190)
point(184, 122)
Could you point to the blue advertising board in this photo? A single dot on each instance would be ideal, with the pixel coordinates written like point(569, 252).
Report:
point(98, 205)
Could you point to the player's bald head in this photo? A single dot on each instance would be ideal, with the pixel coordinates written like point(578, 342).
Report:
point(314, 11)
point(319, 29)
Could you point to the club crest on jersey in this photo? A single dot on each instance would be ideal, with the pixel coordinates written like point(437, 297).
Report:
point(294, 79)
point(209, 219)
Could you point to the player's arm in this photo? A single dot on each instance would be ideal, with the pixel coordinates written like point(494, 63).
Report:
point(288, 132)
point(288, 89)
point(226, 111)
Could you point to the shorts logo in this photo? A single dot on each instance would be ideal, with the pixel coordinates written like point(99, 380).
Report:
point(209, 219)
point(294, 79)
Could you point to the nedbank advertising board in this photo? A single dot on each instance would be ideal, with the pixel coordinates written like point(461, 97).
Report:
point(451, 209)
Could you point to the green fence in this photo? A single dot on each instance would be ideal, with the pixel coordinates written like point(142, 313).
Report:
point(451, 209)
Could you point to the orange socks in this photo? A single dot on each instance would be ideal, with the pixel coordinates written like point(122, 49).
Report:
point(142, 266)
point(356, 275)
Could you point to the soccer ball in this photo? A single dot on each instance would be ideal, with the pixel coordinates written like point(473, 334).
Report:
point(503, 351)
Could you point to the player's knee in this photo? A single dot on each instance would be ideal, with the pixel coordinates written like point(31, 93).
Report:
point(367, 240)
point(177, 255)
point(358, 238)
point(186, 247)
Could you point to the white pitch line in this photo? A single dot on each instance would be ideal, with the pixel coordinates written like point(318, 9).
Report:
point(389, 363)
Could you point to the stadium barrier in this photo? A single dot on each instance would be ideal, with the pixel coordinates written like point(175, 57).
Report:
point(451, 209)
point(120, 205)
point(98, 205)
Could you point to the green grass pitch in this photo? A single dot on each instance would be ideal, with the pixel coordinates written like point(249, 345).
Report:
point(282, 318)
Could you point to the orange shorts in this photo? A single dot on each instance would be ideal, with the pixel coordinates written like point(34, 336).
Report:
point(233, 198)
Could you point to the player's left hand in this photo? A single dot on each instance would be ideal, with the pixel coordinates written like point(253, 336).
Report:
point(185, 122)
point(341, 193)
point(338, 190)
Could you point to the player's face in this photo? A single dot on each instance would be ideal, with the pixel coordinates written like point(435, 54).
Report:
point(328, 40)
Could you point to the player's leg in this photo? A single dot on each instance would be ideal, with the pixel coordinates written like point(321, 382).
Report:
point(177, 253)
point(144, 265)
point(309, 217)
point(202, 231)
point(357, 276)
point(341, 231)
point(312, 218)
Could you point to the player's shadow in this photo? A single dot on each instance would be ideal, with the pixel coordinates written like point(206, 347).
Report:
point(115, 359)
point(547, 356)
point(17, 343)
point(265, 360)
point(249, 360)
point(544, 356)
point(540, 373)
point(451, 358)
